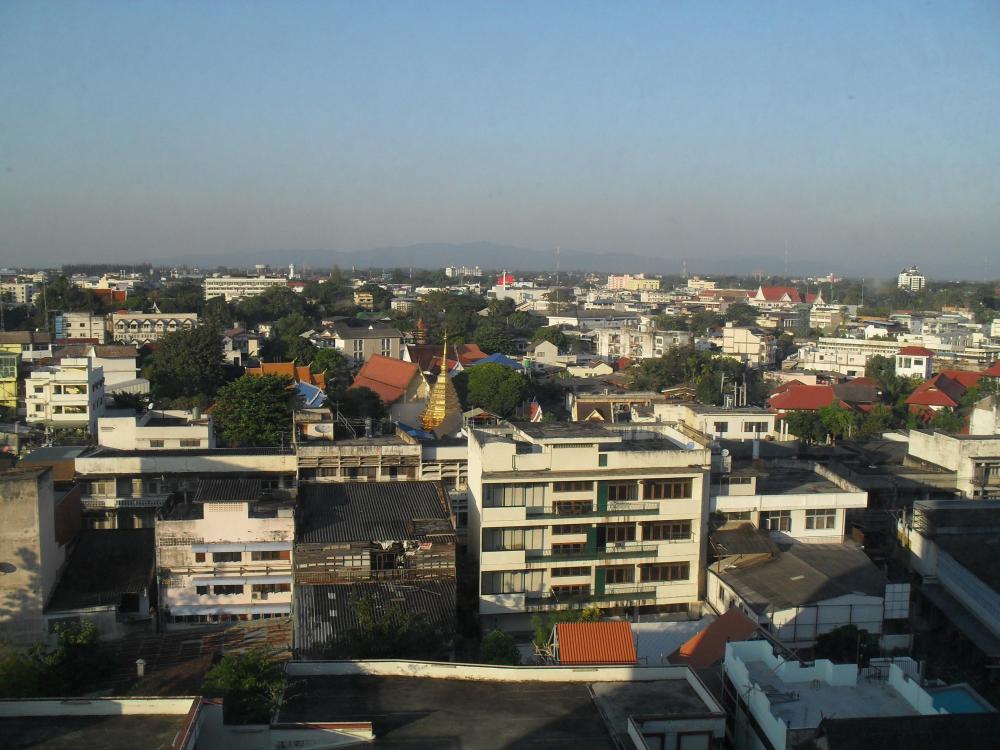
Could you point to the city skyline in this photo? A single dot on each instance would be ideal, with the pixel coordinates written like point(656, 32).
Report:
point(853, 139)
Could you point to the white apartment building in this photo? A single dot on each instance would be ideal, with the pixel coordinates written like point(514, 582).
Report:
point(237, 287)
point(793, 501)
point(18, 292)
point(225, 555)
point(578, 514)
point(156, 430)
point(914, 362)
point(841, 355)
point(911, 279)
point(457, 272)
point(359, 343)
point(827, 317)
point(139, 328)
point(638, 342)
point(81, 325)
point(749, 345)
point(741, 423)
point(69, 394)
point(633, 282)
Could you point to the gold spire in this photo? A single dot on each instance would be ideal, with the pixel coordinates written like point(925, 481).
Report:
point(442, 401)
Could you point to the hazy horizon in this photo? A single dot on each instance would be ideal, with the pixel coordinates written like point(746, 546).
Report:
point(846, 135)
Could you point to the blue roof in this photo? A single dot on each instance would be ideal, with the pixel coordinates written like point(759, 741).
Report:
point(498, 359)
point(311, 395)
point(416, 432)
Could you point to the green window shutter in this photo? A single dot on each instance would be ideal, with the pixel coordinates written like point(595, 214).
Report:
point(602, 497)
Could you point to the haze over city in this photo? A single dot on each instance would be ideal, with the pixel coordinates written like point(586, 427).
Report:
point(849, 137)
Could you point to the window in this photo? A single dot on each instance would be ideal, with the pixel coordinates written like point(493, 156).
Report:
point(569, 572)
point(666, 489)
point(572, 507)
point(155, 443)
point(573, 487)
point(721, 428)
point(776, 520)
point(270, 588)
point(513, 495)
point(618, 573)
point(679, 571)
point(201, 590)
point(227, 557)
point(658, 531)
point(569, 548)
point(576, 589)
point(619, 532)
point(386, 347)
point(821, 519)
point(512, 581)
point(570, 528)
point(199, 557)
point(234, 590)
point(495, 540)
point(738, 515)
point(622, 491)
point(755, 427)
point(602, 459)
point(190, 443)
point(260, 555)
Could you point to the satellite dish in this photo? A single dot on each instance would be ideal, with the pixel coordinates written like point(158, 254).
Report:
point(690, 446)
point(725, 452)
point(323, 429)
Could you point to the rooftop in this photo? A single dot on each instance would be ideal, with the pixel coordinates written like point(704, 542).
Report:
point(607, 642)
point(149, 731)
point(363, 511)
point(104, 564)
point(805, 574)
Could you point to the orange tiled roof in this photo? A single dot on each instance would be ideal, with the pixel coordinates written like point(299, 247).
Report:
point(608, 642)
point(993, 370)
point(805, 397)
point(708, 646)
point(386, 376)
point(298, 373)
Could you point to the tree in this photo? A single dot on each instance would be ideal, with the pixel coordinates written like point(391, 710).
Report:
point(249, 685)
point(63, 670)
point(254, 411)
point(492, 336)
point(670, 323)
point(847, 645)
point(875, 422)
point(495, 388)
point(389, 632)
point(299, 350)
point(702, 322)
point(187, 363)
point(741, 314)
point(806, 425)
point(551, 334)
point(334, 365)
point(135, 401)
point(498, 647)
point(839, 421)
point(947, 420)
point(357, 402)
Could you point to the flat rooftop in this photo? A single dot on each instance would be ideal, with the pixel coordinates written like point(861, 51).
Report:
point(793, 481)
point(419, 713)
point(802, 706)
point(149, 732)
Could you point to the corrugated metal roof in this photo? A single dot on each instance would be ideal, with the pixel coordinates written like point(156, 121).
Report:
point(366, 511)
point(325, 613)
point(227, 490)
point(104, 564)
point(607, 642)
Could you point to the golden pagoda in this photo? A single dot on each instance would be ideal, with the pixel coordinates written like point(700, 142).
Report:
point(442, 403)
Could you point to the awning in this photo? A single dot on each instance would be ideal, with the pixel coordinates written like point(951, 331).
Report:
point(238, 609)
point(268, 546)
point(218, 547)
point(268, 579)
point(238, 580)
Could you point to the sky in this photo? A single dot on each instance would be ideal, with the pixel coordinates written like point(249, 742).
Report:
point(863, 134)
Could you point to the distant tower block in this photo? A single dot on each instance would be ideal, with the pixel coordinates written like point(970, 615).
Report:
point(684, 269)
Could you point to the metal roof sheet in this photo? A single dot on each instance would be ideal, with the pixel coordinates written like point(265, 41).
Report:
point(608, 642)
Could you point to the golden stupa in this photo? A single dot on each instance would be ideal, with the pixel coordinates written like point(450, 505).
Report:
point(442, 403)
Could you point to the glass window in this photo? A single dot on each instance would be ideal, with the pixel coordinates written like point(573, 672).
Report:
point(227, 557)
point(821, 519)
point(776, 520)
point(602, 459)
point(618, 573)
point(569, 572)
point(233, 590)
point(260, 555)
point(573, 487)
point(570, 528)
point(513, 495)
point(495, 540)
point(572, 507)
point(657, 531)
point(512, 581)
point(666, 489)
point(190, 443)
point(679, 571)
point(155, 443)
point(623, 491)
point(619, 532)
point(721, 428)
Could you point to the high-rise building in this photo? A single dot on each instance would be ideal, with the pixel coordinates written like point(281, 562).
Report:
point(911, 279)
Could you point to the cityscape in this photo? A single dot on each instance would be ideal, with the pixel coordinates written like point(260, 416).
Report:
point(686, 435)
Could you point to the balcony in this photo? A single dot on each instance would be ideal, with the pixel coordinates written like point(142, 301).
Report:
point(623, 593)
point(609, 552)
point(614, 508)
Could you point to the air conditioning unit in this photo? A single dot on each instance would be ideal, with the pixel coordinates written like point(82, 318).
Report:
point(255, 595)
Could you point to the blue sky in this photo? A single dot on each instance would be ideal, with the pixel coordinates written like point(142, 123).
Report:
point(865, 133)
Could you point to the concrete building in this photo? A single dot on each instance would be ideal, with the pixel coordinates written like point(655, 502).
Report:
point(119, 363)
point(124, 488)
point(18, 292)
point(564, 515)
point(358, 343)
point(749, 345)
point(779, 703)
point(914, 362)
point(156, 430)
point(67, 395)
point(740, 423)
point(141, 328)
point(842, 356)
point(31, 345)
point(10, 377)
point(975, 459)
point(827, 317)
point(911, 279)
point(37, 526)
point(364, 300)
point(633, 282)
point(81, 325)
point(638, 342)
point(224, 553)
point(237, 287)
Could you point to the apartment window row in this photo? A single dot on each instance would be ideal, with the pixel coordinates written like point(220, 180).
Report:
point(573, 487)
point(513, 495)
point(821, 519)
point(255, 556)
point(512, 581)
point(666, 489)
point(496, 540)
point(755, 427)
point(572, 507)
point(677, 571)
point(570, 528)
point(234, 590)
point(660, 531)
point(776, 520)
point(582, 570)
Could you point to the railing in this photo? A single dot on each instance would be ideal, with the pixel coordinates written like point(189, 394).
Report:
point(615, 508)
point(551, 600)
point(594, 554)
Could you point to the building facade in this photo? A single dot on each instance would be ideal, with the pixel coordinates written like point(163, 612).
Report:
point(911, 279)
point(81, 325)
point(237, 287)
point(69, 394)
point(572, 515)
point(749, 345)
point(140, 328)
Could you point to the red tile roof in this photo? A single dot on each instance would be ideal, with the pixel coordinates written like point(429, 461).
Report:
point(290, 370)
point(940, 390)
point(968, 378)
point(776, 293)
point(993, 370)
point(607, 642)
point(803, 397)
point(708, 646)
point(388, 377)
point(916, 351)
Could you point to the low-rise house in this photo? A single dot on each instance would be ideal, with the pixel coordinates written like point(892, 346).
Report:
point(749, 345)
point(742, 423)
point(400, 385)
point(119, 363)
point(156, 430)
point(141, 328)
point(360, 343)
point(374, 541)
point(81, 327)
point(31, 345)
point(224, 553)
point(775, 297)
point(914, 362)
point(610, 407)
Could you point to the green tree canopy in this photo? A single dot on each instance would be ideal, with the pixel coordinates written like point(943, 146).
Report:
point(358, 402)
point(839, 421)
point(495, 388)
point(255, 411)
point(551, 334)
point(493, 337)
point(806, 425)
point(741, 314)
point(498, 647)
point(187, 363)
point(249, 685)
point(847, 645)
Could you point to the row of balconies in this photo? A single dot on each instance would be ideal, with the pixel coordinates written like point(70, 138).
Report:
point(612, 551)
